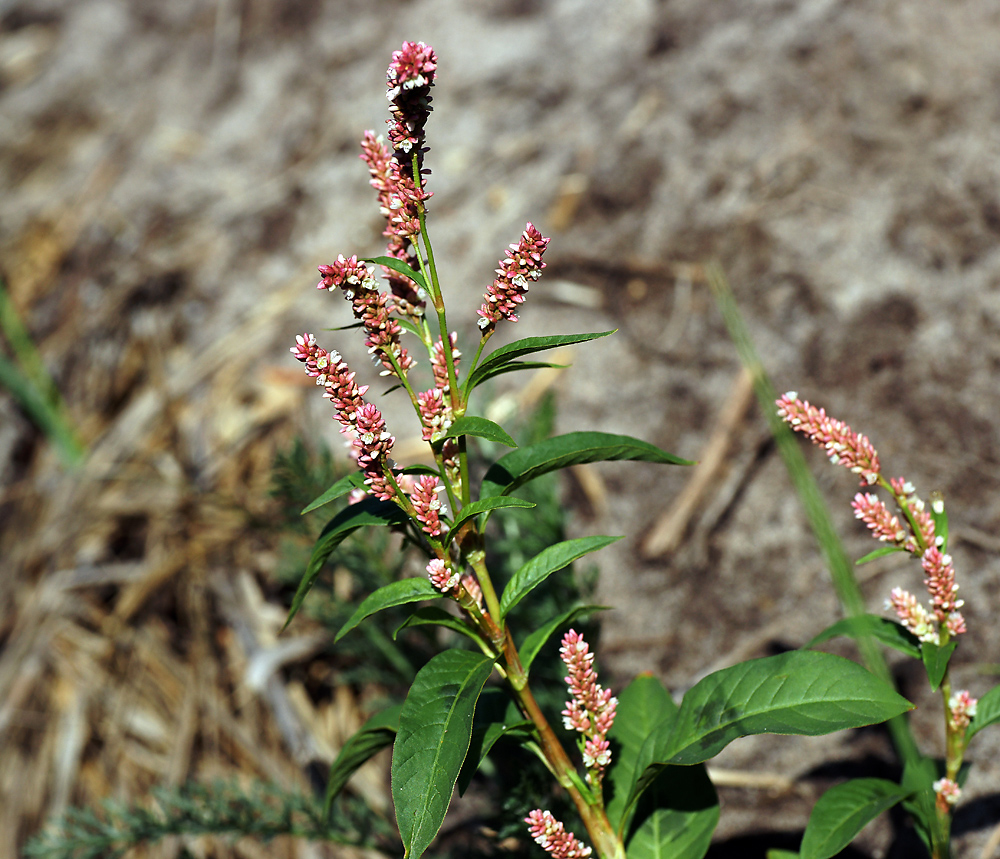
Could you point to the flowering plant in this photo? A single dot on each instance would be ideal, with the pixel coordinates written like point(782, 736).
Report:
point(636, 779)
point(929, 790)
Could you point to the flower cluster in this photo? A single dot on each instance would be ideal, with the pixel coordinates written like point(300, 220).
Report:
point(522, 265)
point(843, 445)
point(553, 838)
point(591, 709)
point(961, 709)
point(424, 498)
point(371, 307)
point(917, 536)
point(397, 201)
point(947, 792)
point(441, 577)
point(409, 80)
point(362, 421)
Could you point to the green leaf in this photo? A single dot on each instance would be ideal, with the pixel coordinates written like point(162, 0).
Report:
point(676, 817)
point(435, 727)
point(535, 641)
point(400, 267)
point(987, 712)
point(500, 719)
point(373, 736)
point(431, 614)
point(407, 325)
point(514, 366)
point(802, 692)
point(421, 469)
point(644, 704)
point(918, 778)
point(782, 854)
point(843, 811)
point(531, 461)
point(878, 553)
point(393, 594)
point(882, 629)
point(470, 511)
point(512, 351)
point(481, 428)
point(354, 480)
point(369, 511)
point(544, 564)
point(936, 661)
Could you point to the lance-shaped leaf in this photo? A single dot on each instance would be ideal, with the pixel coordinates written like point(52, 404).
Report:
point(544, 564)
point(393, 594)
point(918, 777)
point(400, 267)
point(514, 366)
point(936, 661)
point(432, 615)
point(519, 348)
point(354, 480)
point(535, 641)
point(987, 712)
point(643, 705)
point(531, 461)
point(676, 816)
point(878, 553)
point(481, 428)
point(487, 505)
point(369, 511)
point(802, 692)
point(843, 811)
point(373, 736)
point(882, 629)
point(497, 716)
point(435, 726)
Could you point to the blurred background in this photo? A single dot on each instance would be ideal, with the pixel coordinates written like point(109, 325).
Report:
point(171, 174)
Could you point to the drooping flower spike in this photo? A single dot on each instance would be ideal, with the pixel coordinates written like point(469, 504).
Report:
point(553, 838)
point(843, 445)
point(362, 421)
point(372, 307)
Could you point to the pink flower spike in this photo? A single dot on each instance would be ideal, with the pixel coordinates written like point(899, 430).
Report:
point(441, 577)
point(843, 445)
point(873, 512)
point(409, 79)
point(427, 504)
point(438, 364)
point(522, 265)
point(591, 709)
point(947, 792)
point(961, 708)
point(553, 838)
point(913, 616)
point(941, 584)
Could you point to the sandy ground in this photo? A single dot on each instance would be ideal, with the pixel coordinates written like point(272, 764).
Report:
point(172, 173)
